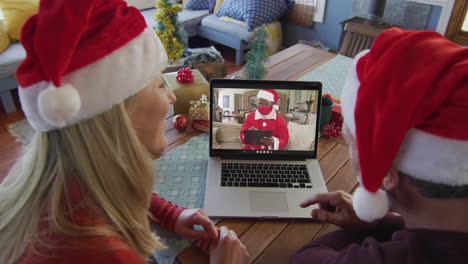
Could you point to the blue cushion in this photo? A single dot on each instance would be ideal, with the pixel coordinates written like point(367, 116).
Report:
point(254, 12)
point(196, 4)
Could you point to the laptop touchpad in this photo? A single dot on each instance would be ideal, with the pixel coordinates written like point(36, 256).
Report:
point(268, 202)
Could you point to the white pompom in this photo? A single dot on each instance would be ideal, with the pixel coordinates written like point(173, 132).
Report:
point(370, 206)
point(276, 107)
point(59, 105)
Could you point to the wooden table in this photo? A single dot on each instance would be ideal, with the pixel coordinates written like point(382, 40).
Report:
point(273, 241)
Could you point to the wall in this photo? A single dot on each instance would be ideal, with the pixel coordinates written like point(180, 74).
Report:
point(329, 32)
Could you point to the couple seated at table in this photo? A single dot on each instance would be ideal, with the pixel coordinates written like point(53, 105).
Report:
point(82, 190)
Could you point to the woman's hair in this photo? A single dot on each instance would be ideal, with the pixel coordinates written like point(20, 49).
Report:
point(97, 166)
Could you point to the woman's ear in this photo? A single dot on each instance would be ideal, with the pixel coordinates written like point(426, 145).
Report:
point(391, 180)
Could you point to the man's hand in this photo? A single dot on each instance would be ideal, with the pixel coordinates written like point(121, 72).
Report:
point(190, 217)
point(228, 249)
point(336, 208)
point(267, 141)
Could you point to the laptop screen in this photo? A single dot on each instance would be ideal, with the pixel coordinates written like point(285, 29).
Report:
point(264, 119)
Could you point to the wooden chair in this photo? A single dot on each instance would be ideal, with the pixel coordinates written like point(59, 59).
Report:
point(359, 34)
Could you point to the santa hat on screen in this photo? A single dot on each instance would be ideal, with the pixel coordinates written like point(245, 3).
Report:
point(406, 104)
point(83, 57)
point(270, 95)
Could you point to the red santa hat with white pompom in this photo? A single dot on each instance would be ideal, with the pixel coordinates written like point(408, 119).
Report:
point(83, 57)
point(406, 103)
point(270, 95)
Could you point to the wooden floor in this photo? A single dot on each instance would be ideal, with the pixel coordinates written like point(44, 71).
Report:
point(9, 148)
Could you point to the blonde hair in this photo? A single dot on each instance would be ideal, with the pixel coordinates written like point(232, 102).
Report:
point(105, 160)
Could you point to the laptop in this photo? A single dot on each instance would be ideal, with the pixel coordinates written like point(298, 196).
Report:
point(268, 180)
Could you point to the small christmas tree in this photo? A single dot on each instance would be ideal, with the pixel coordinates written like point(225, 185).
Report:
point(171, 32)
point(254, 68)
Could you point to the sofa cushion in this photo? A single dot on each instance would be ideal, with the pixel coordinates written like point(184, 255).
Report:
point(188, 18)
point(11, 58)
point(254, 12)
point(301, 137)
point(16, 12)
point(227, 132)
point(192, 18)
point(232, 29)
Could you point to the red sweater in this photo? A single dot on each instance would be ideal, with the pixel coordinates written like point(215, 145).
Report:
point(164, 213)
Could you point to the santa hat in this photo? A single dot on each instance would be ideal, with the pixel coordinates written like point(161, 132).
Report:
point(406, 103)
point(270, 95)
point(83, 57)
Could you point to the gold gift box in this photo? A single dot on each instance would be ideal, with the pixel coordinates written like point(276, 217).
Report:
point(199, 113)
point(188, 91)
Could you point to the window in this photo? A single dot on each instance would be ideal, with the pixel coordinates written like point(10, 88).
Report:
point(457, 29)
point(318, 8)
point(226, 101)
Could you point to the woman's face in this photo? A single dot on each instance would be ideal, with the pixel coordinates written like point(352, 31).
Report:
point(149, 113)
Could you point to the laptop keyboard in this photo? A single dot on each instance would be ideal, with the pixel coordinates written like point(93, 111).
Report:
point(265, 175)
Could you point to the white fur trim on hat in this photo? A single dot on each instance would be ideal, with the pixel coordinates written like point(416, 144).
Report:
point(349, 94)
point(276, 107)
point(266, 95)
point(433, 158)
point(101, 84)
point(370, 206)
point(58, 105)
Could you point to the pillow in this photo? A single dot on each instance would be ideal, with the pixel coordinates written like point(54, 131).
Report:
point(254, 12)
point(4, 39)
point(16, 12)
point(196, 4)
point(211, 5)
point(301, 137)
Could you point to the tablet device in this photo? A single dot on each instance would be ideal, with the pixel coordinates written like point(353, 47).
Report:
point(254, 137)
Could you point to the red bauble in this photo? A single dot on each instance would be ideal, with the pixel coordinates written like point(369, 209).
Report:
point(184, 75)
point(179, 122)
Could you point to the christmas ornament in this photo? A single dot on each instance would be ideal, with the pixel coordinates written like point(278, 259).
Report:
point(179, 122)
point(171, 32)
point(184, 75)
point(331, 130)
point(254, 68)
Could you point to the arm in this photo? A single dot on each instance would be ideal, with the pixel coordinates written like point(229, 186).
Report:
point(281, 134)
point(247, 124)
point(164, 213)
point(351, 246)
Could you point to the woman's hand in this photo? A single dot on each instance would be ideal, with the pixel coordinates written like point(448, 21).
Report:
point(336, 208)
point(188, 218)
point(228, 249)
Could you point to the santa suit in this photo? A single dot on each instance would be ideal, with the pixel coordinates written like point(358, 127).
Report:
point(272, 121)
